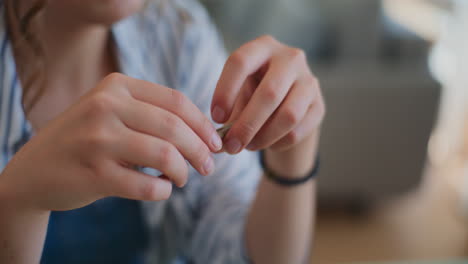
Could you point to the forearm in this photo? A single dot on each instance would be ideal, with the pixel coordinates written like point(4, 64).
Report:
point(281, 219)
point(22, 232)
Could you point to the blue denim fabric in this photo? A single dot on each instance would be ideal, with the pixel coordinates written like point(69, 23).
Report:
point(111, 230)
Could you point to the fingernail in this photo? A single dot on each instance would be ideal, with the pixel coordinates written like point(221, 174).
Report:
point(218, 114)
point(216, 141)
point(208, 167)
point(233, 145)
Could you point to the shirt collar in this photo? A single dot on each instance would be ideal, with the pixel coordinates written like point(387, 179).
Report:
point(131, 48)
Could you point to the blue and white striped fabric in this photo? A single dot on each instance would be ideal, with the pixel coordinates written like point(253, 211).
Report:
point(175, 45)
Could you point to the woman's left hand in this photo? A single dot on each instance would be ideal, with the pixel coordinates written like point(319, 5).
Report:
point(269, 93)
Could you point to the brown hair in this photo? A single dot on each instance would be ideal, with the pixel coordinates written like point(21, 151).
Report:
point(28, 50)
point(29, 54)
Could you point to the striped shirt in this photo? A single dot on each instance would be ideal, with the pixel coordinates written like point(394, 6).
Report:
point(175, 45)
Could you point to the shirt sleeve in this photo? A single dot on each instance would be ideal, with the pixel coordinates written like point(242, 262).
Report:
point(224, 198)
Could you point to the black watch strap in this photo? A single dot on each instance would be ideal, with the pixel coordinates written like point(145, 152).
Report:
point(284, 181)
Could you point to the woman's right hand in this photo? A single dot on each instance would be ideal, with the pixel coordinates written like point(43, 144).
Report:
point(90, 150)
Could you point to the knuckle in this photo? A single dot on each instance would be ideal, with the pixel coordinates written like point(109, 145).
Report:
point(117, 82)
point(100, 171)
point(313, 81)
point(290, 117)
point(322, 110)
point(143, 147)
point(167, 156)
point(319, 103)
point(268, 39)
point(101, 103)
point(313, 87)
point(292, 138)
point(92, 166)
point(95, 171)
point(178, 99)
point(97, 138)
point(297, 54)
point(172, 165)
point(246, 131)
point(149, 192)
point(270, 92)
point(239, 60)
point(172, 124)
point(316, 81)
point(114, 79)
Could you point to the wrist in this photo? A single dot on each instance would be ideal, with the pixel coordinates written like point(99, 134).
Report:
point(13, 199)
point(22, 228)
point(294, 162)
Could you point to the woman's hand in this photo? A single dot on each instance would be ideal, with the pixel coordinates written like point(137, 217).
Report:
point(89, 151)
point(270, 95)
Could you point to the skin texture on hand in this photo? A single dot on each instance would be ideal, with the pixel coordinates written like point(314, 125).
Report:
point(271, 98)
point(98, 140)
point(270, 95)
point(89, 152)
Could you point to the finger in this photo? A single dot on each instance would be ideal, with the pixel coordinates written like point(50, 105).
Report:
point(132, 184)
point(288, 116)
point(265, 100)
point(245, 61)
point(147, 151)
point(178, 104)
point(243, 98)
point(311, 122)
point(174, 102)
point(160, 123)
